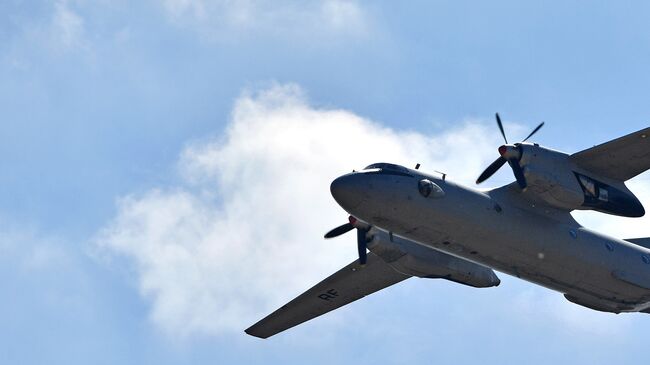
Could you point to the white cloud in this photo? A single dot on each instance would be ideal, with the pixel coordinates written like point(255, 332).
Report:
point(228, 19)
point(244, 232)
point(341, 14)
point(61, 30)
point(67, 27)
point(25, 251)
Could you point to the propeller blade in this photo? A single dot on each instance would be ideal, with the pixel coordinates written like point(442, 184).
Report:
point(491, 169)
point(534, 131)
point(508, 155)
point(519, 174)
point(344, 228)
point(501, 128)
point(361, 245)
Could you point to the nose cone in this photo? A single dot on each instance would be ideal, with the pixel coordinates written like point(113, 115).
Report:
point(508, 151)
point(349, 191)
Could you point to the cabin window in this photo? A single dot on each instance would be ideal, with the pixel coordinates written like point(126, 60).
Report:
point(429, 189)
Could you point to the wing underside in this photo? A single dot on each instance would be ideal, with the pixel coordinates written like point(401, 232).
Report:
point(644, 241)
point(620, 159)
point(343, 287)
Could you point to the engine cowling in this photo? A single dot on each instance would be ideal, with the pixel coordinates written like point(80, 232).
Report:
point(557, 192)
point(413, 259)
point(554, 180)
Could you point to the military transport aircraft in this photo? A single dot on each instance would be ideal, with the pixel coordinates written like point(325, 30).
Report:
point(424, 225)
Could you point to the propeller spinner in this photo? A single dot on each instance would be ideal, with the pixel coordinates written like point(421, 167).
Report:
point(362, 240)
point(510, 153)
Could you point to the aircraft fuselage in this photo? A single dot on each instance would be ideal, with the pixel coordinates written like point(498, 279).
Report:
point(498, 230)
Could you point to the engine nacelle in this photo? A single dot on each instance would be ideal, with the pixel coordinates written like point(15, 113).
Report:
point(554, 180)
point(556, 192)
point(413, 259)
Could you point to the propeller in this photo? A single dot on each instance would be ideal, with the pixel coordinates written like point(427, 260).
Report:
point(362, 241)
point(510, 153)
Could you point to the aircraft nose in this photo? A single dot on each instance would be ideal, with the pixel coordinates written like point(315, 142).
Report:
point(348, 190)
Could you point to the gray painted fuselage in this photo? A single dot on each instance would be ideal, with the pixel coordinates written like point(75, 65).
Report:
point(501, 230)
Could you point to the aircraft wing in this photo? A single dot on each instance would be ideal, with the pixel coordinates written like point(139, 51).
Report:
point(644, 241)
point(345, 286)
point(620, 159)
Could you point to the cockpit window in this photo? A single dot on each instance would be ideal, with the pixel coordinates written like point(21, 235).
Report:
point(425, 187)
point(429, 189)
point(387, 166)
point(387, 169)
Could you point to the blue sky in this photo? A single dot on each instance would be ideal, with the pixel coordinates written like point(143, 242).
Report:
point(166, 164)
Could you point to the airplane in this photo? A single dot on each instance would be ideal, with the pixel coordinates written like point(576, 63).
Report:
point(416, 224)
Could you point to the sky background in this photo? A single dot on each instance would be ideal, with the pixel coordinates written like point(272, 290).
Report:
point(165, 171)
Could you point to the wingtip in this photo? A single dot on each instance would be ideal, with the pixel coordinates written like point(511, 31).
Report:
point(251, 332)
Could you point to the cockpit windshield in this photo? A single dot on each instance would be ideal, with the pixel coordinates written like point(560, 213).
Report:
point(387, 169)
point(386, 166)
